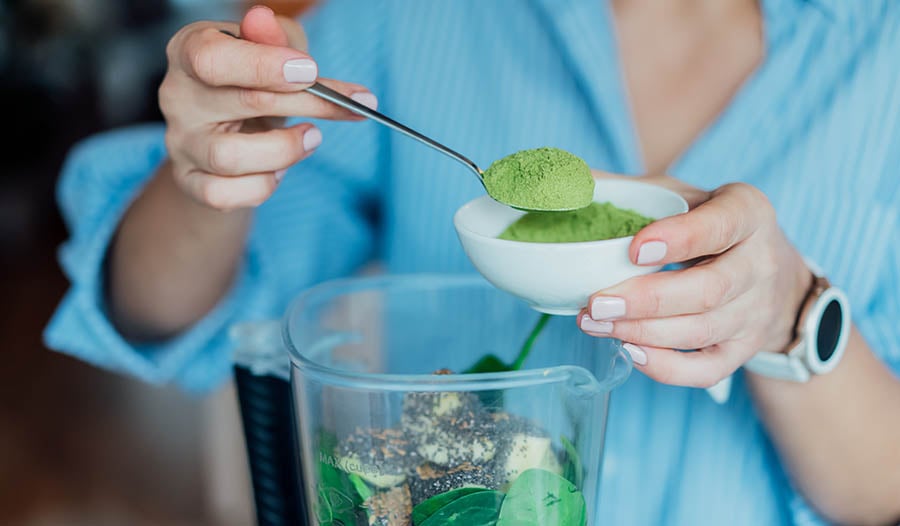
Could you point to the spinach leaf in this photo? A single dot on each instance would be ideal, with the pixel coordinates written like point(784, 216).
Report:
point(573, 469)
point(540, 497)
point(428, 507)
point(362, 489)
point(339, 498)
point(492, 364)
point(488, 363)
point(476, 509)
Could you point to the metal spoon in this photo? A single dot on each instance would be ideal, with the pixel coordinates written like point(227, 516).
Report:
point(347, 103)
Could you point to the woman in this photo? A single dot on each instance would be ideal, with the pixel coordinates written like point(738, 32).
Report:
point(778, 122)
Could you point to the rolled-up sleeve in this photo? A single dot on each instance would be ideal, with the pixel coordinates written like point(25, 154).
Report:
point(100, 179)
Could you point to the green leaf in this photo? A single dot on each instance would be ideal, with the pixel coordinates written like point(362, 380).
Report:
point(540, 497)
point(488, 364)
point(427, 508)
point(362, 489)
point(573, 469)
point(338, 498)
point(477, 509)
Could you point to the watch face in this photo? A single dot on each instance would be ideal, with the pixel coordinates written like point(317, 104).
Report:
point(829, 330)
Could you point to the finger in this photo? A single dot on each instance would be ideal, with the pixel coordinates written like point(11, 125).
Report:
point(232, 104)
point(692, 331)
point(217, 59)
point(295, 33)
point(693, 290)
point(731, 215)
point(230, 193)
point(261, 25)
point(233, 154)
point(704, 368)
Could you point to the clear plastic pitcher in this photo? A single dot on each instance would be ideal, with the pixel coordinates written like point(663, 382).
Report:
point(391, 433)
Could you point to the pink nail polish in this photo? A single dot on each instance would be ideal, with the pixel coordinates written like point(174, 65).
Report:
point(638, 355)
point(595, 327)
point(301, 70)
point(366, 99)
point(607, 308)
point(651, 252)
point(312, 139)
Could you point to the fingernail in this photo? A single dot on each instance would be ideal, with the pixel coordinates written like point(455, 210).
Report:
point(595, 327)
point(260, 6)
point(302, 70)
point(638, 355)
point(607, 308)
point(312, 139)
point(366, 99)
point(651, 252)
point(279, 175)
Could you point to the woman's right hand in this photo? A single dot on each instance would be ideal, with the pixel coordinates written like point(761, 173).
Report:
point(224, 100)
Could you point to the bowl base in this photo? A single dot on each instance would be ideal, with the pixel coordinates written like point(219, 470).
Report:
point(556, 311)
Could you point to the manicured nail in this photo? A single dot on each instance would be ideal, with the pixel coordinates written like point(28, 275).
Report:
point(599, 328)
point(279, 175)
point(301, 70)
point(366, 99)
point(638, 355)
point(312, 139)
point(607, 308)
point(651, 252)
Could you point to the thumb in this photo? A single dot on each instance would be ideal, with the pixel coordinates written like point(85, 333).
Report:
point(260, 25)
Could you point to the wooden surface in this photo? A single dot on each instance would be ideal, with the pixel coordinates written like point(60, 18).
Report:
point(81, 446)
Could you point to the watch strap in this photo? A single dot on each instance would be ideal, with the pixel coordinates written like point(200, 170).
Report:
point(779, 365)
point(789, 365)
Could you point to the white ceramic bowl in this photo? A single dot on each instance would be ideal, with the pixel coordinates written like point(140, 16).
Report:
point(558, 278)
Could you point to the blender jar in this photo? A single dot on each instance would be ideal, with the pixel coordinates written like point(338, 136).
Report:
point(391, 434)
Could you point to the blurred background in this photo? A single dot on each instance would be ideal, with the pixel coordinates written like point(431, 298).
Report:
point(80, 446)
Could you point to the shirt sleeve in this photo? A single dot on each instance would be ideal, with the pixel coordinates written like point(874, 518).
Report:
point(104, 173)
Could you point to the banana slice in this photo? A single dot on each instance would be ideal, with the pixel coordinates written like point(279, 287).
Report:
point(381, 457)
point(449, 428)
point(527, 452)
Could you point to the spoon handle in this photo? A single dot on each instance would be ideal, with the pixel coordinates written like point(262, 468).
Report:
point(349, 104)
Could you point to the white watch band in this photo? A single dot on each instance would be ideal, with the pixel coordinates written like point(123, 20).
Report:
point(782, 366)
point(794, 365)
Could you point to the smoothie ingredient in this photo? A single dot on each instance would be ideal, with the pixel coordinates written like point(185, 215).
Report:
point(539, 497)
point(427, 508)
point(596, 222)
point(389, 507)
point(541, 179)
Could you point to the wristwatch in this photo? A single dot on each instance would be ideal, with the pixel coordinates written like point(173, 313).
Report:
point(820, 335)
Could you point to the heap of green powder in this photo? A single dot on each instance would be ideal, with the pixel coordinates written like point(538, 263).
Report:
point(541, 179)
point(594, 223)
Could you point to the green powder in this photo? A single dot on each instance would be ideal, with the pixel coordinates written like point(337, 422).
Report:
point(541, 179)
point(593, 223)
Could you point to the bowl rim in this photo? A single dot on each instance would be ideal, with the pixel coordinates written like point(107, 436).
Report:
point(570, 245)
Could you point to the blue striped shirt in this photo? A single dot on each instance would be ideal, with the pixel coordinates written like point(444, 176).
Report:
point(816, 127)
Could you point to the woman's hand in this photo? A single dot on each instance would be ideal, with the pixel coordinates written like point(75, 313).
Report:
point(223, 99)
point(739, 293)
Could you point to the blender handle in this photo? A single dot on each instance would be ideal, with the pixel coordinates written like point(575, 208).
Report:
point(275, 470)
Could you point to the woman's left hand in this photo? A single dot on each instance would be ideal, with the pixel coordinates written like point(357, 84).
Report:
point(739, 293)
